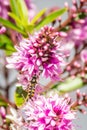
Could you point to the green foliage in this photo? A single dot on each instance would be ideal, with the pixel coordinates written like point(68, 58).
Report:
point(70, 85)
point(6, 44)
point(81, 15)
point(3, 103)
point(20, 96)
point(16, 18)
point(19, 9)
point(35, 19)
point(9, 24)
point(51, 17)
point(23, 11)
point(13, 6)
point(19, 13)
point(21, 24)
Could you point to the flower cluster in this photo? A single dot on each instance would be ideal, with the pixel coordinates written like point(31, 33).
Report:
point(40, 54)
point(48, 113)
point(42, 113)
point(78, 34)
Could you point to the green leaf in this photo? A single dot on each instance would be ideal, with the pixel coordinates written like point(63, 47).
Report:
point(2, 102)
point(38, 16)
point(70, 85)
point(15, 17)
point(14, 8)
point(12, 26)
point(19, 23)
point(23, 11)
point(51, 17)
point(20, 96)
point(21, 17)
point(81, 15)
point(29, 28)
point(6, 44)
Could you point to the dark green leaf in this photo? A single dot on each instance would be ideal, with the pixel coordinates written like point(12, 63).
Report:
point(6, 44)
point(20, 96)
point(81, 15)
point(51, 17)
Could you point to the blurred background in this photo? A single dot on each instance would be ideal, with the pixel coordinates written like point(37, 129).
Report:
point(80, 122)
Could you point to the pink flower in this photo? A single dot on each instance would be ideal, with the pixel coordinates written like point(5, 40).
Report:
point(2, 30)
point(47, 114)
point(78, 33)
point(4, 8)
point(40, 54)
point(84, 56)
point(2, 112)
point(2, 116)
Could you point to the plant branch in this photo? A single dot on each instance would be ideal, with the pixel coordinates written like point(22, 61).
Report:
point(7, 101)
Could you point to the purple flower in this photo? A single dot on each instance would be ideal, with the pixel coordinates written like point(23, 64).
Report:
point(84, 56)
point(2, 30)
point(40, 54)
point(2, 116)
point(78, 33)
point(2, 112)
point(31, 7)
point(47, 114)
point(4, 8)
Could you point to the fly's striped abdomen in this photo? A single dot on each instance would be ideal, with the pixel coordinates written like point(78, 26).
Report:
point(31, 88)
point(31, 91)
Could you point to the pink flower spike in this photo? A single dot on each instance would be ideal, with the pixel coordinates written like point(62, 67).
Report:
point(47, 113)
point(39, 55)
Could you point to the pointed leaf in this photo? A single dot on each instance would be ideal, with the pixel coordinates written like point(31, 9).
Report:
point(38, 16)
point(15, 17)
point(70, 85)
point(23, 11)
point(12, 26)
point(6, 44)
point(51, 17)
point(19, 23)
point(14, 8)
